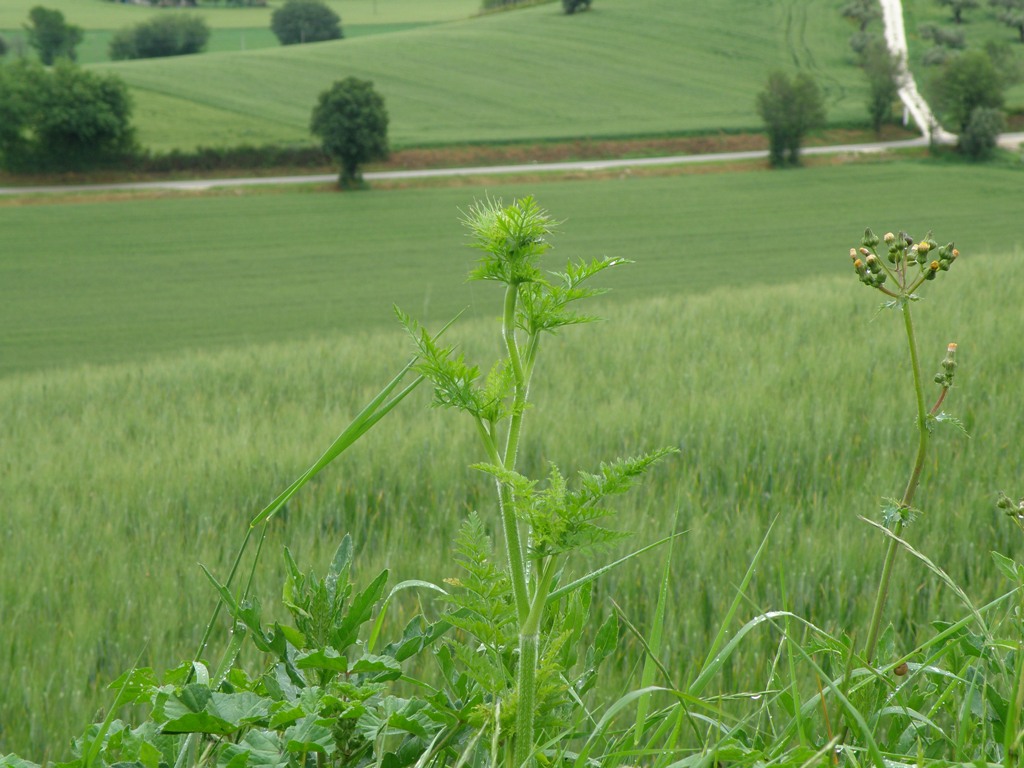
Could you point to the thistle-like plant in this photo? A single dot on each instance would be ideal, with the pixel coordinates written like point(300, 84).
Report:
point(901, 269)
point(540, 525)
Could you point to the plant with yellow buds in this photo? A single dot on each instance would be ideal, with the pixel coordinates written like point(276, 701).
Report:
point(899, 271)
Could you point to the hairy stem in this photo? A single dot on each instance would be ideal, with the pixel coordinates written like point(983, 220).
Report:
point(523, 750)
point(908, 494)
point(510, 527)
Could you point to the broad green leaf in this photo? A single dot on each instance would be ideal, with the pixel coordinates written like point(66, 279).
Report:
point(358, 613)
point(258, 748)
point(309, 735)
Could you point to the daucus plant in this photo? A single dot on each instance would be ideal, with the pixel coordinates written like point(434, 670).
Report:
point(540, 525)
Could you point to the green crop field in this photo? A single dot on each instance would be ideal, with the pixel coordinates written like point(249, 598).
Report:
point(103, 14)
point(245, 331)
point(231, 29)
point(96, 43)
point(107, 282)
point(531, 74)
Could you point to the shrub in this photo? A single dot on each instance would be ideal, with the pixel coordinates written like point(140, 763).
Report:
point(968, 81)
point(790, 109)
point(175, 35)
point(62, 120)
point(978, 140)
point(3, 47)
point(571, 6)
point(351, 121)
point(305, 21)
point(51, 36)
point(882, 70)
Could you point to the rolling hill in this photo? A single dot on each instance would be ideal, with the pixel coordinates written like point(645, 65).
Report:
point(528, 75)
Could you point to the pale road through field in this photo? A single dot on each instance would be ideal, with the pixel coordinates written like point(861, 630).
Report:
point(1009, 140)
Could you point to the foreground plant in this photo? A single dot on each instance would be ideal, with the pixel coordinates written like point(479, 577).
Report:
point(541, 526)
point(903, 269)
point(513, 647)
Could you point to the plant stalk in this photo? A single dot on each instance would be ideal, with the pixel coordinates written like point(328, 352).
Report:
point(908, 494)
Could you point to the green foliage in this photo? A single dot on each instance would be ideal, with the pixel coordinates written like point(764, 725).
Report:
point(861, 12)
point(352, 122)
point(175, 35)
point(571, 6)
point(532, 696)
point(967, 81)
point(790, 109)
point(881, 68)
point(978, 141)
point(305, 21)
point(51, 36)
point(958, 7)
point(1011, 13)
point(3, 47)
point(62, 119)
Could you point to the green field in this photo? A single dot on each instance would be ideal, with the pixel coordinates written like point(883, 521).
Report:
point(110, 282)
point(103, 14)
point(96, 43)
point(740, 336)
point(532, 74)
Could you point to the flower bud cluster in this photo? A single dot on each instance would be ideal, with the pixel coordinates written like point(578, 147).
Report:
point(944, 378)
point(1012, 508)
point(868, 267)
point(902, 252)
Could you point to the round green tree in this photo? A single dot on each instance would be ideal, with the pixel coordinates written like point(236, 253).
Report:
point(305, 21)
point(352, 123)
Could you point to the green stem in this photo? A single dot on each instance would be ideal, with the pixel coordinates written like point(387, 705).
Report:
point(1012, 739)
point(523, 750)
point(513, 547)
point(908, 494)
point(529, 634)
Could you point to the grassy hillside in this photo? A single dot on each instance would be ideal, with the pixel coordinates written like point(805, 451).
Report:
point(627, 67)
point(231, 29)
point(105, 282)
point(103, 14)
point(781, 398)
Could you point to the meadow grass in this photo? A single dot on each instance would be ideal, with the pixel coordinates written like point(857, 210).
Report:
point(118, 480)
point(101, 282)
point(628, 67)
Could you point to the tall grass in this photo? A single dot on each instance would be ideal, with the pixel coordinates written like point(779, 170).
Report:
point(118, 480)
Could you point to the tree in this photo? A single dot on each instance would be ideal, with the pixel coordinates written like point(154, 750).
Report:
point(968, 80)
point(351, 121)
point(64, 119)
point(51, 36)
point(175, 35)
point(978, 141)
point(305, 21)
point(790, 109)
point(1011, 13)
point(946, 43)
point(571, 6)
point(861, 12)
point(958, 7)
point(3, 47)
point(882, 70)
